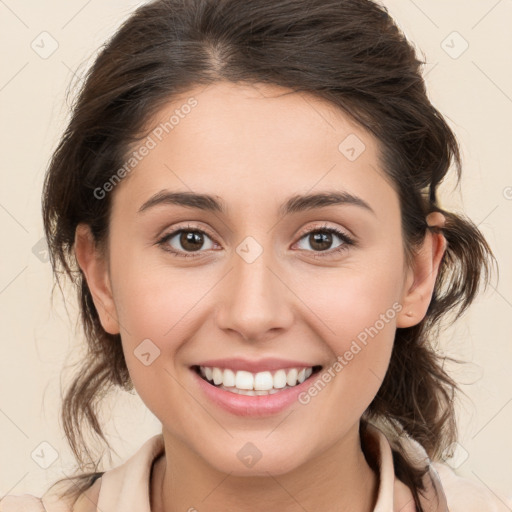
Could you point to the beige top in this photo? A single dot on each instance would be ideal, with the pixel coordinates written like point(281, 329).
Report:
point(126, 488)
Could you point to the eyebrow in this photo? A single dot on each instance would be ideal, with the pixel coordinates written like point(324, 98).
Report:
point(294, 204)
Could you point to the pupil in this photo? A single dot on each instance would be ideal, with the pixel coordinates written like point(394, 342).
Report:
point(191, 240)
point(324, 239)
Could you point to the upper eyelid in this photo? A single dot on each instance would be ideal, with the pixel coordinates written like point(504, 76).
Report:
point(326, 227)
point(173, 232)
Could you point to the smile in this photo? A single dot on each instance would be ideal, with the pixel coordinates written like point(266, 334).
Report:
point(255, 384)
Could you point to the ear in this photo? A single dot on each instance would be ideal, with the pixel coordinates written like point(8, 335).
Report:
point(421, 278)
point(94, 266)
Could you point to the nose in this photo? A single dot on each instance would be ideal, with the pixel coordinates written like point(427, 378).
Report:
point(254, 300)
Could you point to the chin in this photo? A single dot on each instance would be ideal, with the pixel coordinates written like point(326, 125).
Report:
point(249, 461)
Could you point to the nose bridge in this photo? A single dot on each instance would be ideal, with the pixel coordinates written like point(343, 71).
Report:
point(255, 300)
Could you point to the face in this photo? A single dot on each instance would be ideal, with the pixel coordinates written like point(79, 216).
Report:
point(310, 283)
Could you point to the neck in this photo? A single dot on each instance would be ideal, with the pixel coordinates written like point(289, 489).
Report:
point(338, 479)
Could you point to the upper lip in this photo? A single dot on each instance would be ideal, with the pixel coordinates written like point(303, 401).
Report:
point(255, 366)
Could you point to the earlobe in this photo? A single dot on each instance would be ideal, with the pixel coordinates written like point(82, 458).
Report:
point(421, 278)
point(94, 266)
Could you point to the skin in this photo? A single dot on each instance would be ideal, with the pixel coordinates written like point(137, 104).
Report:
point(254, 147)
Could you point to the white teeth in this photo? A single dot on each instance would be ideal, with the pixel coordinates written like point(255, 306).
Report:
point(291, 378)
point(280, 379)
point(228, 378)
point(246, 392)
point(250, 392)
point(261, 383)
point(244, 380)
point(217, 376)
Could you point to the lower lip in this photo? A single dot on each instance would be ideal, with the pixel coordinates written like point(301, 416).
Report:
point(246, 405)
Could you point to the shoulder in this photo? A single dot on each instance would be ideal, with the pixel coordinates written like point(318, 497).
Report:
point(49, 502)
point(450, 491)
point(467, 495)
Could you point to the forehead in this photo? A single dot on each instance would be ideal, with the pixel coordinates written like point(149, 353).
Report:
point(255, 144)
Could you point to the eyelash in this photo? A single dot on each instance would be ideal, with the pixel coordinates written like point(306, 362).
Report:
point(347, 241)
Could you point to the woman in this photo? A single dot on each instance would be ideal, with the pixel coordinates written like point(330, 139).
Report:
point(246, 200)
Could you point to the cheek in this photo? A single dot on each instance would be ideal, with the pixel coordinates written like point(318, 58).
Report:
point(355, 310)
point(359, 302)
point(159, 308)
point(361, 340)
point(157, 301)
point(155, 308)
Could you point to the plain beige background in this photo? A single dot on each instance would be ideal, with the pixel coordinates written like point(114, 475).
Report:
point(467, 47)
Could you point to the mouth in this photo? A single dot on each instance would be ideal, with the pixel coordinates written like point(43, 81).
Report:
point(264, 383)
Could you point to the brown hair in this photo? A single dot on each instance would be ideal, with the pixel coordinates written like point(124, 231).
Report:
point(348, 52)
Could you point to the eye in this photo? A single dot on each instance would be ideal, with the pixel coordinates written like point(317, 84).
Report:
point(321, 238)
point(184, 240)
